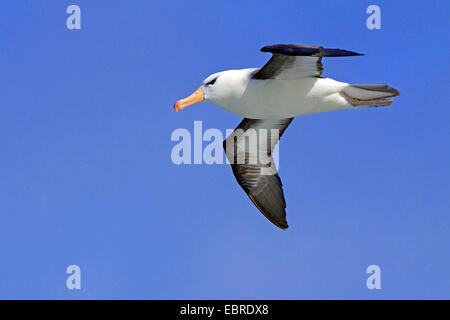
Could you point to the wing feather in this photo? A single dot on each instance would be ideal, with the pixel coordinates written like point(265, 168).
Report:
point(249, 150)
point(290, 61)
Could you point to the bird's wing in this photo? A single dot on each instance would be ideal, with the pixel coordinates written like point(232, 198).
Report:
point(291, 61)
point(249, 150)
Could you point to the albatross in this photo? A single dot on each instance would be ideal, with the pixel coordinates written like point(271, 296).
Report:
point(290, 84)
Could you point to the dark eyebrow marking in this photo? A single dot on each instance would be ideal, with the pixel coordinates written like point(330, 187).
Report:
point(212, 81)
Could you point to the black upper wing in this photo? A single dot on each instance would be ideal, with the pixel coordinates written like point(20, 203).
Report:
point(296, 61)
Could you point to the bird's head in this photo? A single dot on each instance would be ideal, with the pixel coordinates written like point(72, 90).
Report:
point(217, 89)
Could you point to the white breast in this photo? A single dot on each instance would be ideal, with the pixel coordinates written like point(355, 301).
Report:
point(276, 99)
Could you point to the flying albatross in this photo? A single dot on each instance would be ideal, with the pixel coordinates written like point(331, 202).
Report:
point(288, 85)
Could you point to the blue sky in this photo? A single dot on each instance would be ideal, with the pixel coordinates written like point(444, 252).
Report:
point(87, 179)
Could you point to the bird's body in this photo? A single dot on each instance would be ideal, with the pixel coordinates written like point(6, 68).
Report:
point(288, 85)
point(280, 98)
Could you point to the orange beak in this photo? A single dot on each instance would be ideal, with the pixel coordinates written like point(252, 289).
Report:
point(197, 96)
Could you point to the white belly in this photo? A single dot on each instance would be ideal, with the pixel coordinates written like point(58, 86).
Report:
point(275, 99)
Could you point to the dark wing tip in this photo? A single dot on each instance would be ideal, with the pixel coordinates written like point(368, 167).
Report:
point(303, 50)
point(338, 53)
point(283, 227)
point(272, 214)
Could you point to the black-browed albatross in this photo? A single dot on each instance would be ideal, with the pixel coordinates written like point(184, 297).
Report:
point(288, 85)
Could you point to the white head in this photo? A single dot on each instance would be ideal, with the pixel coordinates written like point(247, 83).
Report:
point(219, 89)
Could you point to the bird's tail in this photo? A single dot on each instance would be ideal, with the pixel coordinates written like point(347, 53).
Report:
point(369, 95)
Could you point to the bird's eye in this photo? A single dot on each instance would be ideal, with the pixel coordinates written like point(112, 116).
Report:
point(211, 82)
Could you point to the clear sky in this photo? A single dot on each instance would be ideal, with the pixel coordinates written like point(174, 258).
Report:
point(87, 178)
